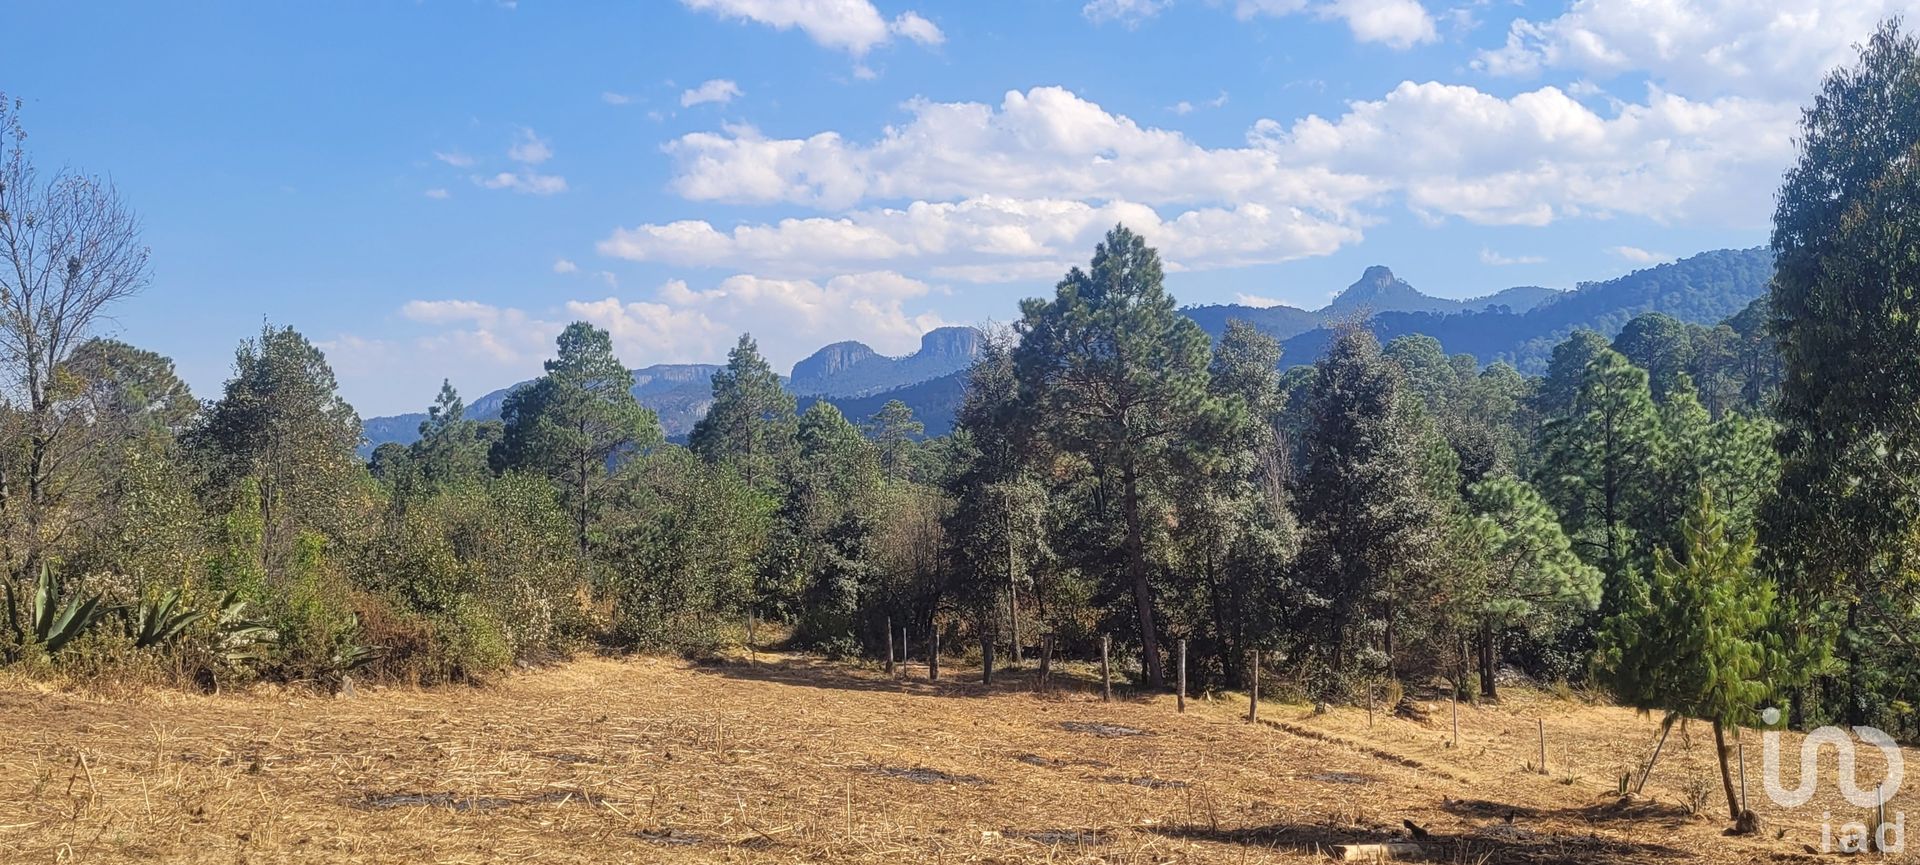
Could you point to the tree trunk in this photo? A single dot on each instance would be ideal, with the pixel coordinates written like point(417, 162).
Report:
point(986, 657)
point(1013, 585)
point(1724, 751)
point(1488, 662)
point(1137, 569)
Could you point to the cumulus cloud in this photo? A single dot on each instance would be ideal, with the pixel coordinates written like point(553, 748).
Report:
point(612, 98)
point(1032, 179)
point(529, 149)
point(1127, 12)
point(1396, 23)
point(525, 182)
point(1774, 49)
point(718, 90)
point(1454, 151)
point(912, 26)
point(562, 265)
point(438, 193)
point(1257, 301)
point(1640, 256)
point(986, 239)
point(455, 158)
point(678, 324)
point(853, 26)
point(1495, 259)
point(1046, 142)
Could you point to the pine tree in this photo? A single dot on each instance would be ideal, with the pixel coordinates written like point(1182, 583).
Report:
point(1600, 468)
point(1365, 519)
point(1533, 580)
point(1697, 640)
point(574, 423)
point(895, 432)
point(1114, 374)
point(752, 421)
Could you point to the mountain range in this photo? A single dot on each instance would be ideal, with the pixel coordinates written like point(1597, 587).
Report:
point(1518, 325)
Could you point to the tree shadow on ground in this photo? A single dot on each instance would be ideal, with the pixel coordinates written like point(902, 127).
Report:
point(1493, 845)
point(1621, 810)
point(911, 678)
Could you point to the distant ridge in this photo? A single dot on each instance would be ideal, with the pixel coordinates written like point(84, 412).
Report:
point(1519, 325)
point(851, 369)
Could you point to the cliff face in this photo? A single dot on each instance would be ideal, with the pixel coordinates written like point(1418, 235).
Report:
point(851, 369)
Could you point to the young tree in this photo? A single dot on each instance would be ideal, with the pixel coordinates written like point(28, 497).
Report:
point(69, 250)
point(1115, 375)
point(751, 422)
point(895, 432)
point(1697, 640)
point(1533, 580)
point(1365, 518)
point(575, 423)
point(280, 422)
point(452, 449)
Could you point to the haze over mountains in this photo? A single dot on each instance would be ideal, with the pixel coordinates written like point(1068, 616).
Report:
point(1518, 325)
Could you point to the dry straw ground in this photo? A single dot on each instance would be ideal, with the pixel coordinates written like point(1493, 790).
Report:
point(788, 759)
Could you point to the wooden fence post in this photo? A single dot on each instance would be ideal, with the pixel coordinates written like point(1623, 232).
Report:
point(986, 660)
point(889, 645)
point(1106, 677)
point(1046, 662)
point(1543, 744)
point(933, 654)
point(903, 650)
point(1180, 697)
point(1253, 700)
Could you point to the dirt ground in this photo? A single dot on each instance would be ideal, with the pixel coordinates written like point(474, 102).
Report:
point(789, 759)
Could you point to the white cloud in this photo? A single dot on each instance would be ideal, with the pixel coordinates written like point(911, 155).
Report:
point(562, 265)
point(529, 149)
point(1495, 259)
point(1044, 143)
point(455, 158)
point(525, 182)
point(718, 90)
point(679, 324)
point(1640, 256)
point(1185, 107)
point(853, 26)
point(1775, 49)
point(612, 98)
point(438, 193)
point(1257, 301)
point(1541, 156)
point(985, 239)
point(1128, 12)
point(911, 26)
point(1445, 151)
point(1396, 23)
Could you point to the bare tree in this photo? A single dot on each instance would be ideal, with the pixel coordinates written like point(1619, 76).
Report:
point(69, 248)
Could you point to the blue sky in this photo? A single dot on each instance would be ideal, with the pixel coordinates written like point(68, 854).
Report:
point(432, 189)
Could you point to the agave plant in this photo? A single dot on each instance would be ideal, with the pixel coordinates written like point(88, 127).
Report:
point(242, 638)
point(160, 621)
point(50, 623)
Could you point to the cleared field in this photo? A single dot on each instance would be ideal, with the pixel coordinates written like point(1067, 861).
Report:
point(790, 759)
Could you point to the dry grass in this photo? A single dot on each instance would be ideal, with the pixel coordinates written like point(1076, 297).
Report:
point(789, 759)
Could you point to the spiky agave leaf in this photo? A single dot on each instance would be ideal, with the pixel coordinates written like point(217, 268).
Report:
point(241, 638)
point(160, 622)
